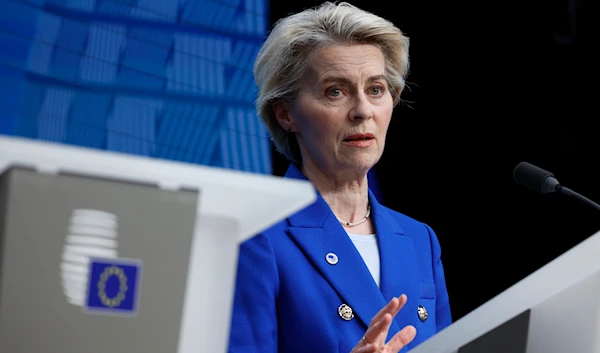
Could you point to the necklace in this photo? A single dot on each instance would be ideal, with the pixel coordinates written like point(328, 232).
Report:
point(348, 224)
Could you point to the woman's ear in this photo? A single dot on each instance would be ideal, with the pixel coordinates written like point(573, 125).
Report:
point(283, 115)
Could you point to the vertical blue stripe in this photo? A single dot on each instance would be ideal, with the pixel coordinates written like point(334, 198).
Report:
point(171, 136)
point(203, 52)
point(186, 68)
point(243, 140)
point(212, 121)
point(212, 150)
point(265, 144)
point(232, 137)
point(207, 119)
point(251, 121)
point(196, 128)
point(203, 121)
point(225, 150)
point(181, 123)
point(194, 133)
point(166, 129)
point(224, 49)
point(211, 46)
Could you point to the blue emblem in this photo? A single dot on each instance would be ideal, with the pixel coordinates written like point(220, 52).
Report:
point(113, 286)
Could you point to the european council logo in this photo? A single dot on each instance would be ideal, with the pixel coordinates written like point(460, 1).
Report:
point(91, 233)
point(113, 286)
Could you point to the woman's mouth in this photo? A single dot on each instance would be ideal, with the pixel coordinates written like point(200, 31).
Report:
point(360, 140)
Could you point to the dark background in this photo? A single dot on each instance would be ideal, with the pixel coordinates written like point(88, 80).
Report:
point(491, 84)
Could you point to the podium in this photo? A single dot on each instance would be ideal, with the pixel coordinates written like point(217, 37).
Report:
point(186, 224)
point(556, 309)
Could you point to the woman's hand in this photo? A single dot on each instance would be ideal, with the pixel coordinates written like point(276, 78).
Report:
point(374, 339)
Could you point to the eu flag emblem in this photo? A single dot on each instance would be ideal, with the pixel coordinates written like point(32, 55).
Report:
point(113, 286)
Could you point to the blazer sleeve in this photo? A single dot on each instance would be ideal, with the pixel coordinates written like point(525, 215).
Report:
point(443, 314)
point(254, 316)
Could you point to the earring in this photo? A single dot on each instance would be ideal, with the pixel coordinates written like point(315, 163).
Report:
point(289, 129)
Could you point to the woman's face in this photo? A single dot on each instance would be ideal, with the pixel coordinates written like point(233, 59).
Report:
point(343, 109)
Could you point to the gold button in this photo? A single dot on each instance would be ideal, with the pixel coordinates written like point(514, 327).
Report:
point(345, 312)
point(423, 315)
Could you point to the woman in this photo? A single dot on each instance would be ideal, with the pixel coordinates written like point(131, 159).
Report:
point(345, 274)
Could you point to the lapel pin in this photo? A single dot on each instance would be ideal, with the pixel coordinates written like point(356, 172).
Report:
point(331, 258)
point(345, 312)
point(423, 315)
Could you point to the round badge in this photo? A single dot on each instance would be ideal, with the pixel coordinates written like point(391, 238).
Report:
point(331, 258)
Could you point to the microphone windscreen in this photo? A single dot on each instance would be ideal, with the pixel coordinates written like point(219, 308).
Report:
point(531, 176)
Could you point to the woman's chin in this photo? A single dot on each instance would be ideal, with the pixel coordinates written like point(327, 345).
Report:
point(361, 164)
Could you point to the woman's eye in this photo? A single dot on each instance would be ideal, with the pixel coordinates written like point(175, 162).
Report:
point(335, 92)
point(377, 90)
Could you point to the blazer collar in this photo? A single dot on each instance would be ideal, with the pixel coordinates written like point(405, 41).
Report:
point(318, 232)
point(316, 214)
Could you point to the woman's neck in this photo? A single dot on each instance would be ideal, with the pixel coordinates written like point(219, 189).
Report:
point(346, 193)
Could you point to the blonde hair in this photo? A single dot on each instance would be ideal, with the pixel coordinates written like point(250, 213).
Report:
point(282, 60)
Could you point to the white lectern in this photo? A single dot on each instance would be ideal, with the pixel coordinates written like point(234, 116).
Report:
point(232, 206)
point(554, 310)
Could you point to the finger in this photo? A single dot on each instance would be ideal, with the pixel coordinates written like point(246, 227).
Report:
point(378, 329)
point(392, 307)
point(385, 328)
point(402, 300)
point(401, 339)
point(369, 348)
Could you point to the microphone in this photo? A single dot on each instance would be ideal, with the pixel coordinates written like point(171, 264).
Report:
point(540, 180)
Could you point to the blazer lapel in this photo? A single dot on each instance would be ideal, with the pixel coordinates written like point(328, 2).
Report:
point(349, 276)
point(318, 233)
point(398, 261)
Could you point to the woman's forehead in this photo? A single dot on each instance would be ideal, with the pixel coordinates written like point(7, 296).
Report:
point(346, 62)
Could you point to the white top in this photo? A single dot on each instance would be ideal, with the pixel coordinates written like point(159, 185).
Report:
point(367, 247)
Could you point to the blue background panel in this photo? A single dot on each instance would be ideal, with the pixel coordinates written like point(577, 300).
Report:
point(166, 79)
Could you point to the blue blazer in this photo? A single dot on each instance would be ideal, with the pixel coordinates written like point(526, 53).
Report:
point(287, 295)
